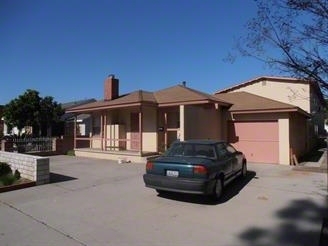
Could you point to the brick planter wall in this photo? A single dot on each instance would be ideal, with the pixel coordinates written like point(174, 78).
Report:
point(31, 167)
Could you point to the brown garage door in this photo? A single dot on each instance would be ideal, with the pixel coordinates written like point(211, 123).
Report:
point(258, 140)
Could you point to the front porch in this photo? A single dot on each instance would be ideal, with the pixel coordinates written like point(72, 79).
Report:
point(122, 156)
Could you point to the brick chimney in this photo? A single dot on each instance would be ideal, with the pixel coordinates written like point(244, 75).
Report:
point(111, 88)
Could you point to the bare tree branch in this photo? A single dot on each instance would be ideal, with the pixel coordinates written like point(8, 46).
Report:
point(291, 35)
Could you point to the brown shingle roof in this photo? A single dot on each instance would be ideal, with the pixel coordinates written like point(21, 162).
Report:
point(176, 95)
point(247, 102)
point(183, 95)
point(131, 99)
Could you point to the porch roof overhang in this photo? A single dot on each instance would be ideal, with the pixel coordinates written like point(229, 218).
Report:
point(109, 107)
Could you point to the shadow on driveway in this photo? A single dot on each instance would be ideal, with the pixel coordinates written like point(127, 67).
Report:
point(230, 191)
point(58, 178)
point(294, 228)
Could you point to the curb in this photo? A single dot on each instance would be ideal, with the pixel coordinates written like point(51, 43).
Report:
point(17, 186)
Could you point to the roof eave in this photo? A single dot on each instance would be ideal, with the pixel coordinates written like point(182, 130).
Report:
point(193, 102)
point(286, 110)
point(104, 107)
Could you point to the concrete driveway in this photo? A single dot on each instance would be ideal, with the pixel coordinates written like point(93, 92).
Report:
point(99, 202)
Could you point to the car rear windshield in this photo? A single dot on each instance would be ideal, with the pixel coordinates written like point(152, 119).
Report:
point(192, 150)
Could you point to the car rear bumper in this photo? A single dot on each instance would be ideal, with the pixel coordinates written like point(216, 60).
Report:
point(184, 185)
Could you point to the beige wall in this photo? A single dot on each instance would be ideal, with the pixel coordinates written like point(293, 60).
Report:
point(284, 143)
point(297, 94)
point(149, 136)
point(181, 133)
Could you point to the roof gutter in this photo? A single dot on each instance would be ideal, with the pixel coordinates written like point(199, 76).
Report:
point(98, 108)
point(287, 110)
point(167, 104)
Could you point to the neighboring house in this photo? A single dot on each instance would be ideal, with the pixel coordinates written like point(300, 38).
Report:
point(269, 128)
point(83, 121)
point(1, 122)
point(5, 131)
point(274, 120)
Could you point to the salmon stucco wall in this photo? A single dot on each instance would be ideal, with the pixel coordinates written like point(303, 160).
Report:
point(202, 122)
point(298, 134)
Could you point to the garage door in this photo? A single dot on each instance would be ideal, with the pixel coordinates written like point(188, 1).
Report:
point(258, 140)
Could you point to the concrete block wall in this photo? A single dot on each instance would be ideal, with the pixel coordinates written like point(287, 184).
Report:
point(31, 167)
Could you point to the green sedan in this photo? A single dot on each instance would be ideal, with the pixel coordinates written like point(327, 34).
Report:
point(196, 167)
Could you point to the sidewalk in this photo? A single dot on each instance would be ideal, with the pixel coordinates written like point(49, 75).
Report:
point(315, 166)
point(320, 166)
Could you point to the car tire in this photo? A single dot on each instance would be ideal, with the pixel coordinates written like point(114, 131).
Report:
point(243, 172)
point(218, 189)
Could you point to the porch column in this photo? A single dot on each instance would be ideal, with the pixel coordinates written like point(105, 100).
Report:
point(102, 130)
point(165, 130)
point(284, 143)
point(181, 135)
point(91, 131)
point(140, 130)
point(105, 131)
point(74, 132)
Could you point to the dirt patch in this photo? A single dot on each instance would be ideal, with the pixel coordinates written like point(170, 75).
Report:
point(19, 184)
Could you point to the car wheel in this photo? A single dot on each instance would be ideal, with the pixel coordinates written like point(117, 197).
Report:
point(218, 189)
point(244, 170)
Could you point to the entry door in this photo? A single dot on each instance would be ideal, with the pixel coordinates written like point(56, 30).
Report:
point(135, 135)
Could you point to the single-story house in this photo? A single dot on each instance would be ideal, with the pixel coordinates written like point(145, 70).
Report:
point(141, 123)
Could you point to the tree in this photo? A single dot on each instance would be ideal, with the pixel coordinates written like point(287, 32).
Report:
point(29, 109)
point(291, 35)
point(50, 112)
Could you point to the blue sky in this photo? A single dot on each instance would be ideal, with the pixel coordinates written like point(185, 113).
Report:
point(66, 48)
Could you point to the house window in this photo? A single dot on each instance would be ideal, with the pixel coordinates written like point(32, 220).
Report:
point(96, 125)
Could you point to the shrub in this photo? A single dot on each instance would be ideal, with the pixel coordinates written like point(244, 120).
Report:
point(70, 153)
point(7, 179)
point(17, 174)
point(4, 169)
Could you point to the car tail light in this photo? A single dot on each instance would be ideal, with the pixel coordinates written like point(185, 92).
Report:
point(200, 169)
point(149, 166)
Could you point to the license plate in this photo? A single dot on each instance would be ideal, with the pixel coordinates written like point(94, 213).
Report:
point(172, 173)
